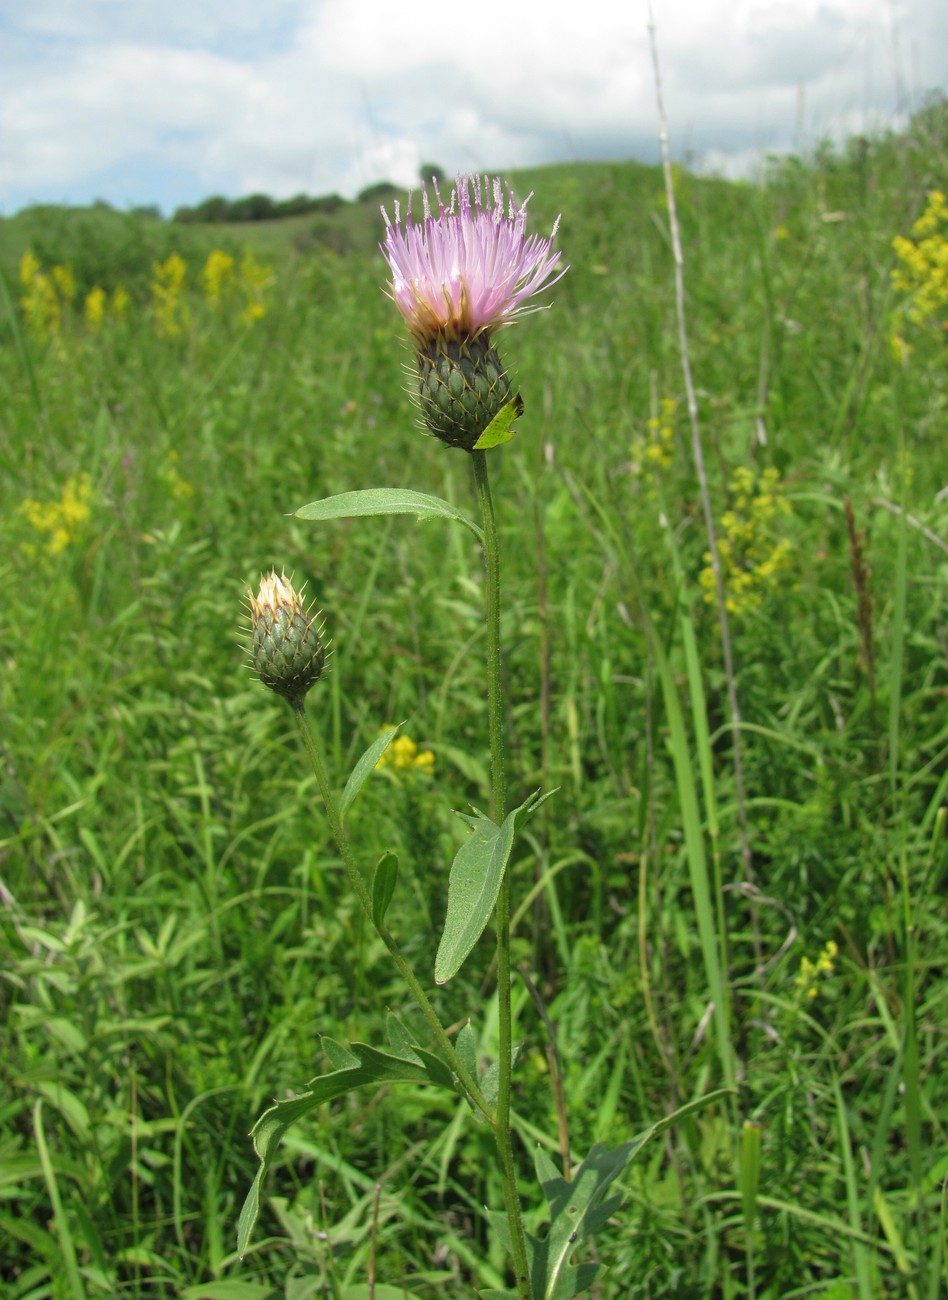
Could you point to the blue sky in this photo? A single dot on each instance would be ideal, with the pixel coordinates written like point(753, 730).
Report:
point(138, 103)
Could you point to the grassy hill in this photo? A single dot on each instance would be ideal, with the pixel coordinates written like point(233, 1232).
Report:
point(177, 930)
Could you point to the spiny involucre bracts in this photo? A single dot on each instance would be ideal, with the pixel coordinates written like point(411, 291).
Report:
point(287, 651)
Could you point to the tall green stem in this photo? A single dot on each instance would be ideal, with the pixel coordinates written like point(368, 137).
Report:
point(498, 810)
point(359, 887)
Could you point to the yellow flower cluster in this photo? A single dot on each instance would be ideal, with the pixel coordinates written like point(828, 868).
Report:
point(218, 275)
point(98, 302)
point(653, 450)
point(243, 287)
point(403, 754)
point(810, 972)
point(167, 287)
point(42, 300)
point(60, 522)
point(922, 273)
point(95, 307)
point(229, 286)
point(753, 557)
point(48, 295)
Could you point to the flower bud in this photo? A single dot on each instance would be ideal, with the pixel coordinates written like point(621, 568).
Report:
point(286, 649)
point(462, 386)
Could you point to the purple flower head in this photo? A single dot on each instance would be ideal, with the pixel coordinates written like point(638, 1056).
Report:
point(471, 267)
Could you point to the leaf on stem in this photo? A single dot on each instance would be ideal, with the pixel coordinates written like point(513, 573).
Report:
point(580, 1208)
point(383, 886)
point(474, 883)
point(363, 769)
point(466, 1047)
point(386, 501)
point(354, 1066)
point(499, 431)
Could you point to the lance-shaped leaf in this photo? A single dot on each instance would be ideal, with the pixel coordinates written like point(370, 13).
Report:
point(356, 1066)
point(577, 1209)
point(475, 880)
point(383, 886)
point(386, 501)
point(364, 768)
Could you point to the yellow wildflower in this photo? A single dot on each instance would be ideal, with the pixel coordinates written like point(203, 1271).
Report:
point(403, 755)
point(95, 307)
point(922, 273)
point(218, 275)
point(753, 557)
point(60, 522)
point(29, 268)
point(810, 972)
point(653, 450)
point(166, 288)
point(40, 301)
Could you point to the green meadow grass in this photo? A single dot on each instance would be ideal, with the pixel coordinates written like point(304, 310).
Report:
point(176, 930)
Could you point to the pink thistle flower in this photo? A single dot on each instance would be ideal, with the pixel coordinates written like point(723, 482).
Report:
point(457, 276)
point(470, 269)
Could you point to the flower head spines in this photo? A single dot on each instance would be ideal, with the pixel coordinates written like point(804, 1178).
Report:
point(286, 650)
point(462, 386)
point(462, 272)
point(470, 268)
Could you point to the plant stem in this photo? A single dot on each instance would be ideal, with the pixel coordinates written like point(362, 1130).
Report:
point(498, 811)
point(359, 887)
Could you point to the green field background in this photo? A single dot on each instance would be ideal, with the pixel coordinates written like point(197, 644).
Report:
point(175, 926)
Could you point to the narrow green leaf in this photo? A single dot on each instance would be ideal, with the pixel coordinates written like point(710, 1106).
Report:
point(383, 886)
point(474, 883)
point(234, 1290)
point(466, 1047)
point(499, 430)
point(69, 1106)
point(364, 768)
point(862, 1258)
point(60, 1219)
point(473, 886)
point(698, 872)
point(385, 501)
point(749, 1172)
point(371, 1067)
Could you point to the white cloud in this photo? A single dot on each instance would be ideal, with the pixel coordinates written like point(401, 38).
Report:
point(231, 96)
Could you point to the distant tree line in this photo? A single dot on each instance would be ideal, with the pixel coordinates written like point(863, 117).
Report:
point(256, 207)
point(261, 207)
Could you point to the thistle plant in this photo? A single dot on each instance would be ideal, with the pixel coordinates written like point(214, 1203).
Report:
point(457, 278)
point(466, 271)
